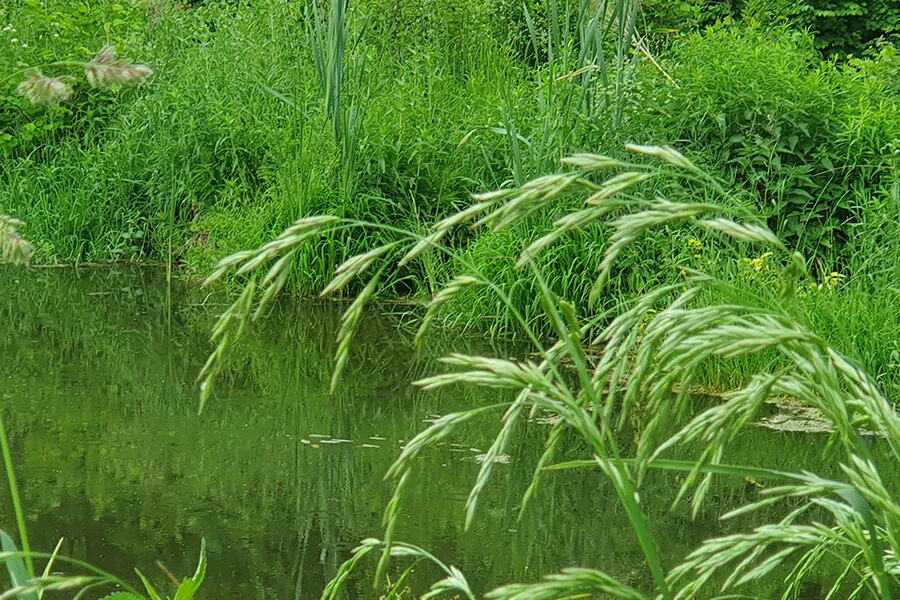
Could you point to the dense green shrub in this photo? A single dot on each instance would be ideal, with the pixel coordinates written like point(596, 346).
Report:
point(806, 136)
point(841, 27)
point(665, 16)
point(849, 26)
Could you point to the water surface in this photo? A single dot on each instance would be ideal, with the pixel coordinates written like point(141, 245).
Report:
point(99, 395)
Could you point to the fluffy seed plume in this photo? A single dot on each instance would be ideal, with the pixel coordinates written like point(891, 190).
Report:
point(106, 69)
point(13, 248)
point(45, 91)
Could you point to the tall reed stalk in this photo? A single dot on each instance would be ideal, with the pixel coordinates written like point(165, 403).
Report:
point(337, 63)
point(585, 41)
point(329, 36)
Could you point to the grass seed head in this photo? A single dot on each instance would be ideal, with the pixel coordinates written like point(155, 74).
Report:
point(41, 90)
point(106, 69)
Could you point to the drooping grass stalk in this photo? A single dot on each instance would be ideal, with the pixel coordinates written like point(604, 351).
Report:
point(603, 440)
point(652, 364)
point(604, 444)
point(14, 493)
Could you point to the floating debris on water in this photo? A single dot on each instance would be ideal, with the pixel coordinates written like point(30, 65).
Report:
point(318, 435)
point(368, 446)
point(502, 459)
point(377, 438)
point(474, 450)
point(797, 418)
point(304, 441)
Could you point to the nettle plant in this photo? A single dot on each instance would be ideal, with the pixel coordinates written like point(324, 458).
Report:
point(106, 69)
point(643, 377)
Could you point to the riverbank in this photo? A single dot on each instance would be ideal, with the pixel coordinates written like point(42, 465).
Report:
point(233, 139)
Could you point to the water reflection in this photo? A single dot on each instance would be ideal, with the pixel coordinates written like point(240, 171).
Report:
point(99, 393)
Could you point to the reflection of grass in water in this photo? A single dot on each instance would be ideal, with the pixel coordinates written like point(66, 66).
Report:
point(152, 471)
point(112, 439)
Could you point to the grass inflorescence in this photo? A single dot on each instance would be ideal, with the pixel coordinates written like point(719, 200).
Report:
point(648, 356)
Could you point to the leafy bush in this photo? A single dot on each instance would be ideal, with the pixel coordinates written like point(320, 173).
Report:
point(664, 16)
point(850, 26)
point(841, 27)
point(805, 136)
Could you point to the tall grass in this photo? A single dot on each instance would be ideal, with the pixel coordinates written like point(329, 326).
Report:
point(652, 352)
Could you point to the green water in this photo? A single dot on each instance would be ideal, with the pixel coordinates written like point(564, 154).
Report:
point(97, 387)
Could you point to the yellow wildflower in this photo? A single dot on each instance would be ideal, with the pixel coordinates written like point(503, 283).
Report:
point(757, 263)
point(696, 247)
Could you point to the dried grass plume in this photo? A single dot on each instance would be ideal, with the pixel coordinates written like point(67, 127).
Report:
point(107, 69)
point(43, 91)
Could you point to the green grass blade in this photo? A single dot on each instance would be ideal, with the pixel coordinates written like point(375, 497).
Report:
point(688, 466)
point(18, 574)
point(189, 586)
point(149, 586)
point(14, 492)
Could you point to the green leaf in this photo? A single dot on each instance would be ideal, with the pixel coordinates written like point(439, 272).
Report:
point(150, 590)
point(18, 574)
point(687, 465)
point(189, 586)
point(123, 596)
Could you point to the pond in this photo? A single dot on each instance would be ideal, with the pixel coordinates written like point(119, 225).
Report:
point(280, 477)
